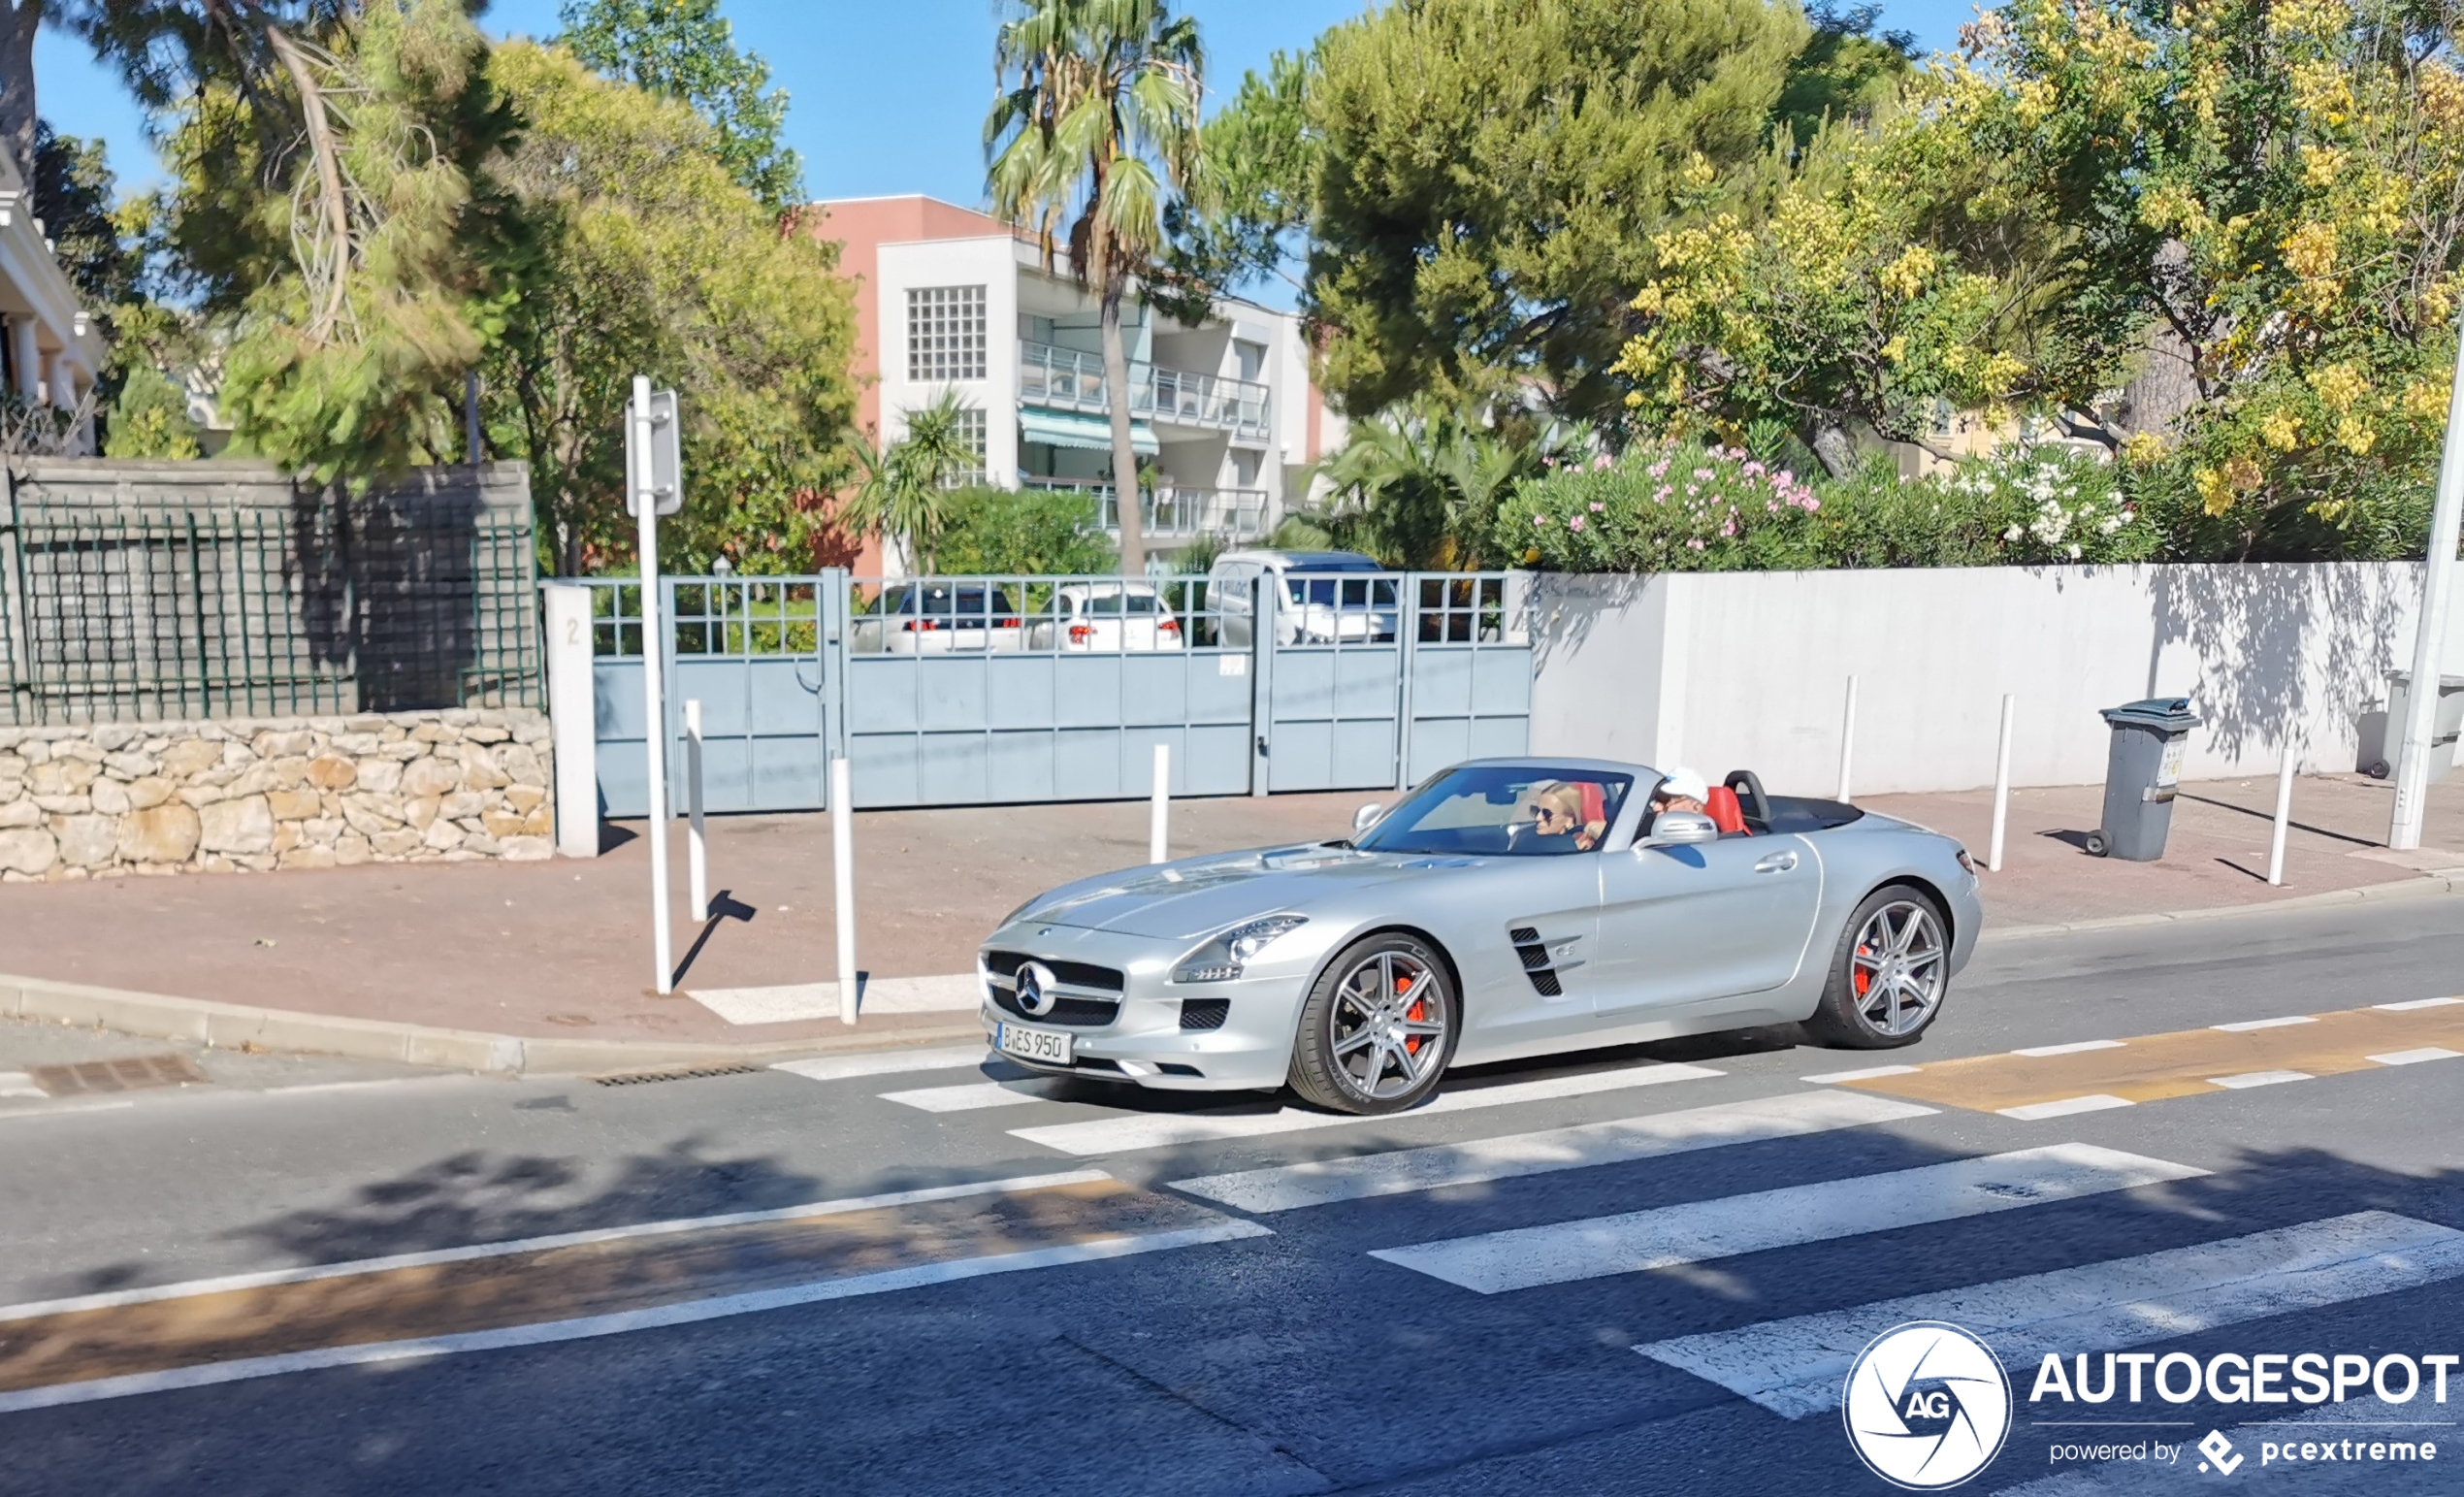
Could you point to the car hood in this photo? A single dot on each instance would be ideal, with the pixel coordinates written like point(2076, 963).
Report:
point(1197, 897)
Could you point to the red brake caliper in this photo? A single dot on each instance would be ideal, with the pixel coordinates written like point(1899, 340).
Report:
point(1862, 978)
point(1415, 1013)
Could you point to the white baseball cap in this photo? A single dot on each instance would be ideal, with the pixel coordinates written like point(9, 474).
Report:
point(1688, 783)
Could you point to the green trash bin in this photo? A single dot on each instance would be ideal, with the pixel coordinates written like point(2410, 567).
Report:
point(2140, 769)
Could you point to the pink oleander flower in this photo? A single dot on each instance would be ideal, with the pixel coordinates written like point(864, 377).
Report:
point(1597, 507)
point(1812, 503)
point(1784, 477)
point(1600, 462)
point(1540, 519)
point(1662, 496)
point(1658, 469)
point(1772, 506)
point(1704, 473)
point(1727, 528)
point(1694, 545)
point(1754, 470)
point(1575, 524)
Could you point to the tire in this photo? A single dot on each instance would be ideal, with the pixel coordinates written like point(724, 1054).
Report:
point(2380, 769)
point(1361, 1050)
point(2097, 844)
point(1890, 975)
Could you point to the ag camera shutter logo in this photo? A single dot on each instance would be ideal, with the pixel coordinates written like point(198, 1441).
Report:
point(1926, 1406)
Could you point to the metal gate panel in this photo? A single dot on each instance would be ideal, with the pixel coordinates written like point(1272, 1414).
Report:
point(1335, 702)
point(1025, 715)
point(1468, 692)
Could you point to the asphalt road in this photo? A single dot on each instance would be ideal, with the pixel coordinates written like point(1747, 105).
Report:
point(1052, 1314)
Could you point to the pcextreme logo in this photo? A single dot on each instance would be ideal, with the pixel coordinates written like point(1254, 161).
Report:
point(1926, 1406)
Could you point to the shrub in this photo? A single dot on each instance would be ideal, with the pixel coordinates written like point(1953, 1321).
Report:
point(1028, 532)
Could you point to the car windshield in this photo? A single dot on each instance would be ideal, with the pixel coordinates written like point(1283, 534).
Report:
point(1516, 810)
point(1112, 603)
point(940, 602)
point(1341, 592)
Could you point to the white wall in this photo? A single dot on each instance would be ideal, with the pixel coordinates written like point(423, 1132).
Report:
point(991, 263)
point(1747, 670)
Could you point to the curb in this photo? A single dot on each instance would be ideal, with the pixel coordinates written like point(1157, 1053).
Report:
point(231, 1026)
point(2428, 886)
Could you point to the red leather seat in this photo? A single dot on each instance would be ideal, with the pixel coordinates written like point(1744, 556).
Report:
point(1594, 802)
point(1726, 814)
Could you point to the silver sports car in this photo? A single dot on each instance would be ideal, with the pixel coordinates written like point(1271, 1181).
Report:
point(1504, 908)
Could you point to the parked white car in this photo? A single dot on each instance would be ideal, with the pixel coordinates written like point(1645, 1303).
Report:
point(939, 618)
point(1318, 596)
point(1106, 618)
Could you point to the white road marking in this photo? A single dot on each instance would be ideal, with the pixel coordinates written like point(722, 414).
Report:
point(2244, 1027)
point(888, 1280)
point(1869, 1073)
point(65, 1109)
point(2416, 1056)
point(2412, 1003)
point(112, 1299)
point(2082, 1047)
point(1406, 1170)
point(885, 1063)
point(1157, 1130)
point(19, 1084)
point(970, 1097)
point(2093, 1102)
point(1525, 1257)
point(2248, 1079)
point(951, 994)
point(1795, 1367)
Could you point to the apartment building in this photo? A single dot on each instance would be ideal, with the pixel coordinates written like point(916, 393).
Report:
point(951, 299)
point(50, 352)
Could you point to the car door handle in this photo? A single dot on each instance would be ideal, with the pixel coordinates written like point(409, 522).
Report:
point(1776, 862)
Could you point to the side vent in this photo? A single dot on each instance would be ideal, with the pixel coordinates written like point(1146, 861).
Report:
point(1536, 963)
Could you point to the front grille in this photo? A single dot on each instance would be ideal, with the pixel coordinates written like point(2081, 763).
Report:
point(1082, 1012)
point(1205, 1013)
point(1077, 974)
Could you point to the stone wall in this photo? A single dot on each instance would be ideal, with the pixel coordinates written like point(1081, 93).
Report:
point(275, 793)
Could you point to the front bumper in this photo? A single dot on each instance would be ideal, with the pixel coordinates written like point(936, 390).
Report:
point(1141, 1037)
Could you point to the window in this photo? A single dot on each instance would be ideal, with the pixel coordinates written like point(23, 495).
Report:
point(1503, 809)
point(945, 333)
point(1243, 469)
point(971, 431)
point(1250, 358)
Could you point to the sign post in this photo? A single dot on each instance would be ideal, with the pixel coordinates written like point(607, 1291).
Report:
point(654, 485)
point(2420, 728)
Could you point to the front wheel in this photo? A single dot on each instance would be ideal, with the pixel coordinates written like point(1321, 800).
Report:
point(1890, 975)
point(1378, 1028)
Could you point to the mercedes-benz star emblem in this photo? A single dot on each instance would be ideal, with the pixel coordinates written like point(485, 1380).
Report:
point(1037, 983)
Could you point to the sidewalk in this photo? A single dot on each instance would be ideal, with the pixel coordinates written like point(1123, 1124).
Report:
point(542, 965)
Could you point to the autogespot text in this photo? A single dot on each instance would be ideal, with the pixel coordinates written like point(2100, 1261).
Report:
point(2232, 1378)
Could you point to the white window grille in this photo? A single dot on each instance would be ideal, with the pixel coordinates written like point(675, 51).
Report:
point(971, 432)
point(945, 333)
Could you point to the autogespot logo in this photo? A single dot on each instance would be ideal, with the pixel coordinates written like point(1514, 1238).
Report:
point(1927, 1406)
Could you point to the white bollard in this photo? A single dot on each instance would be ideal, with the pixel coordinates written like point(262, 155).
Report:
point(1159, 816)
point(573, 709)
point(842, 832)
point(2002, 788)
point(696, 838)
point(1847, 736)
point(2284, 811)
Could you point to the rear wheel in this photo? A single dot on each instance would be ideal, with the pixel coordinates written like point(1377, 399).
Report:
point(1378, 1028)
point(1890, 975)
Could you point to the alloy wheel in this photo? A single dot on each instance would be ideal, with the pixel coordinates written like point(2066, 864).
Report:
point(1899, 967)
point(1386, 1027)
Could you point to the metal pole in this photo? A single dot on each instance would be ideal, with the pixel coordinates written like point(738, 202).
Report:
point(471, 417)
point(842, 838)
point(2437, 568)
point(1159, 812)
point(1847, 736)
point(2283, 808)
point(697, 839)
point(2002, 788)
point(653, 702)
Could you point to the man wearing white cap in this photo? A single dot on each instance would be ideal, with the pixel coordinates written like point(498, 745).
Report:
point(1681, 790)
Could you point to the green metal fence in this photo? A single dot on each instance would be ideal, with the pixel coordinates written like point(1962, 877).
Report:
point(150, 610)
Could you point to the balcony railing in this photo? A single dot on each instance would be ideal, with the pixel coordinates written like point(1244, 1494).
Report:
point(1073, 379)
point(1237, 514)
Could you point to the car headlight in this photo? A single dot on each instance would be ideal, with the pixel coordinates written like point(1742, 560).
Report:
point(1222, 960)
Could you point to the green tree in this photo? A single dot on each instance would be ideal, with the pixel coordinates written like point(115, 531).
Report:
point(1418, 487)
point(150, 418)
point(1096, 124)
point(684, 49)
point(1029, 532)
point(329, 198)
point(906, 490)
point(1491, 172)
point(645, 256)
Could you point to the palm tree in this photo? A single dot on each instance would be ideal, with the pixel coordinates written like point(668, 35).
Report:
point(905, 488)
point(1097, 115)
point(1418, 485)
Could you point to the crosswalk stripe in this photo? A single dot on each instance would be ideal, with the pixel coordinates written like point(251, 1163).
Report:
point(2416, 1056)
point(1795, 1367)
point(1157, 1130)
point(2078, 1048)
point(1666, 1236)
point(970, 1097)
point(2412, 1003)
point(2069, 1106)
point(2248, 1079)
point(1869, 1073)
point(884, 1063)
point(1626, 1139)
point(2247, 1025)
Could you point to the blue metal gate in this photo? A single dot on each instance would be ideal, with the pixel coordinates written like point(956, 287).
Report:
point(971, 691)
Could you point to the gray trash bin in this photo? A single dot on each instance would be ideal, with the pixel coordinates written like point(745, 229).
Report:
point(2443, 731)
point(2140, 769)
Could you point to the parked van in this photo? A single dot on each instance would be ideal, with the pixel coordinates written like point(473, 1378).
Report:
point(1317, 596)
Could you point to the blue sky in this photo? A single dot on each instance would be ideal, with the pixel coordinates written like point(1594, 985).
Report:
point(886, 97)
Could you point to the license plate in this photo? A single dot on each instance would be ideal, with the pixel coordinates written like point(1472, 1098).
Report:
point(1044, 1045)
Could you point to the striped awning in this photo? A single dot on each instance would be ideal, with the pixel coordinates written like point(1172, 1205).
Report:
point(1091, 434)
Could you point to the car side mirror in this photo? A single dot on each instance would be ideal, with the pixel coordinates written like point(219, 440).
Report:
point(1366, 817)
point(1680, 829)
